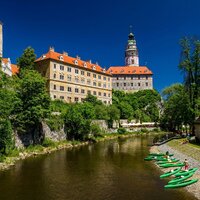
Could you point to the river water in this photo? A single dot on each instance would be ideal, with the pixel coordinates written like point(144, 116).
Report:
point(110, 170)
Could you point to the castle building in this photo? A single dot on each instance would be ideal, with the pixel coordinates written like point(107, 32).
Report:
point(131, 77)
point(71, 79)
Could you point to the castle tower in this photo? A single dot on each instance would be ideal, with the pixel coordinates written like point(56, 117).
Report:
point(131, 53)
point(1, 39)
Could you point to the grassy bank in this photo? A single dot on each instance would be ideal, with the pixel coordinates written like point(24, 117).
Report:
point(189, 149)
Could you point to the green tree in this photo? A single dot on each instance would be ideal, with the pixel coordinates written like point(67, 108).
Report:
point(190, 66)
point(76, 126)
point(93, 100)
point(26, 61)
point(34, 102)
point(101, 112)
point(6, 142)
point(177, 111)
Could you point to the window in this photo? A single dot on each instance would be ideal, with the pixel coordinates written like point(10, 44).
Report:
point(69, 89)
point(94, 83)
point(69, 77)
point(76, 79)
point(99, 77)
point(54, 66)
point(117, 78)
point(82, 99)
point(54, 87)
point(69, 69)
point(62, 67)
point(54, 96)
point(82, 91)
point(76, 71)
point(88, 81)
point(99, 93)
point(89, 91)
point(124, 84)
point(138, 84)
point(76, 99)
point(88, 73)
point(99, 84)
point(61, 97)
point(61, 77)
point(146, 84)
point(105, 102)
point(131, 84)
point(61, 88)
point(108, 85)
point(94, 75)
point(104, 94)
point(117, 84)
point(54, 75)
point(104, 78)
point(82, 73)
point(76, 90)
point(82, 80)
point(146, 77)
point(108, 79)
point(124, 78)
point(104, 85)
point(109, 95)
point(94, 93)
point(138, 77)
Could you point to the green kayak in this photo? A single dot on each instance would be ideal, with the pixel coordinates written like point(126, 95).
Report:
point(182, 184)
point(172, 165)
point(180, 178)
point(183, 172)
point(167, 161)
point(171, 172)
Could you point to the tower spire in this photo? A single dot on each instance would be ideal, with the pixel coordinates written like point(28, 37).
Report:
point(131, 53)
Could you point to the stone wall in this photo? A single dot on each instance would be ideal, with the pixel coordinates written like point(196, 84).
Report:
point(26, 139)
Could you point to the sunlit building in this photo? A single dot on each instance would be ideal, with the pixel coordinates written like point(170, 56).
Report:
point(71, 79)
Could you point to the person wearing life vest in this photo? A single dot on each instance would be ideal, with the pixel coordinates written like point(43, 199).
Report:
point(186, 165)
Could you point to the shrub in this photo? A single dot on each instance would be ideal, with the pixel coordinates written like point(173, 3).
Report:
point(121, 130)
point(144, 130)
point(95, 130)
point(48, 142)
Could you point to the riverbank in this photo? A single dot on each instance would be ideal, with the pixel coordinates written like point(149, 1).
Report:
point(50, 146)
point(182, 151)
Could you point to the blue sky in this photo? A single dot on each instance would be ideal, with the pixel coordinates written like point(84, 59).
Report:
point(98, 30)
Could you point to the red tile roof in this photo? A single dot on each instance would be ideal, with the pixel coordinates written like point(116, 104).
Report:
point(73, 61)
point(129, 70)
point(5, 60)
point(15, 69)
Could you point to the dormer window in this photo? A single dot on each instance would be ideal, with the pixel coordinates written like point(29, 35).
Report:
point(104, 70)
point(76, 62)
point(85, 65)
point(61, 58)
point(43, 56)
point(94, 67)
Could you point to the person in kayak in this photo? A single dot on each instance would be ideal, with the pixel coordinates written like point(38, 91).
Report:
point(167, 156)
point(186, 165)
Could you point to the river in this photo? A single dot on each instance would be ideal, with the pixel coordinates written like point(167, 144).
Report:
point(110, 170)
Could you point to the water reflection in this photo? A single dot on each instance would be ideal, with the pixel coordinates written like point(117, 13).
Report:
point(112, 170)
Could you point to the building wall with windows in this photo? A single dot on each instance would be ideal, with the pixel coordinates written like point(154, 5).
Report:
point(71, 79)
point(131, 79)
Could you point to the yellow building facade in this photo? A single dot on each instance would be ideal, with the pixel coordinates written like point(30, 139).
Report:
point(71, 79)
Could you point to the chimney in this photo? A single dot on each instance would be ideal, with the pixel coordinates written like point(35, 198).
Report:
point(78, 58)
point(1, 39)
point(51, 49)
point(90, 61)
point(65, 53)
